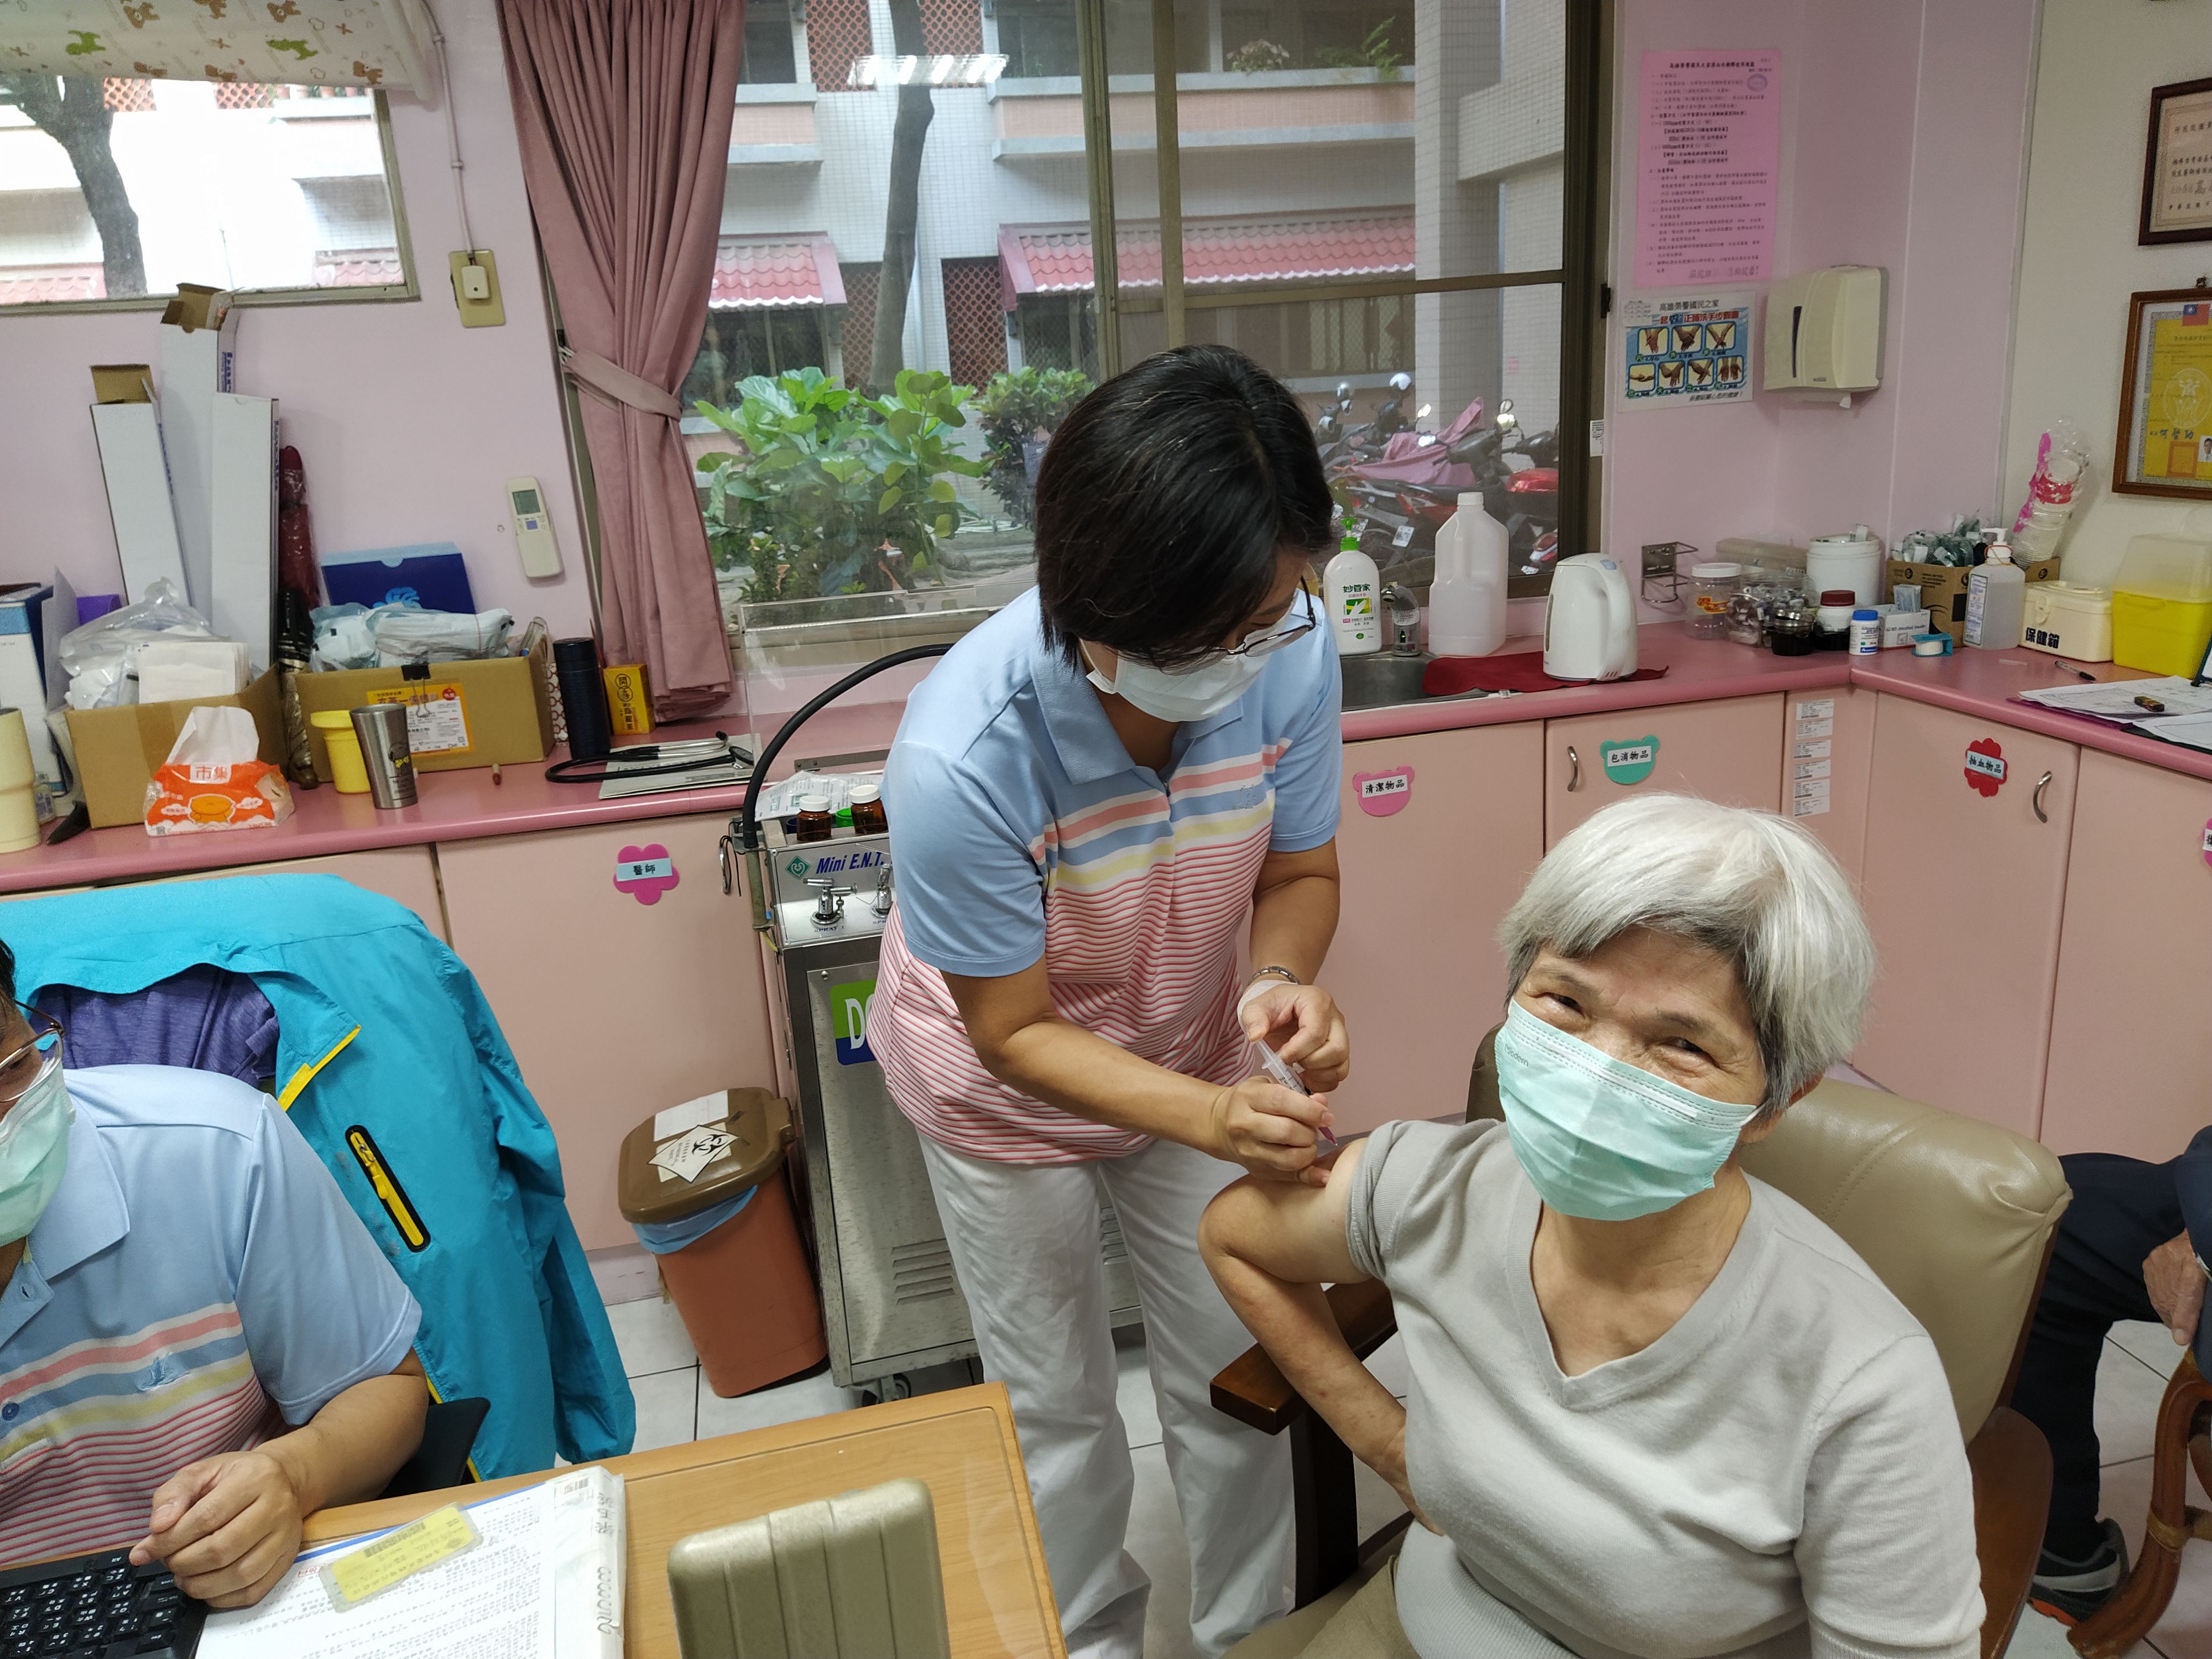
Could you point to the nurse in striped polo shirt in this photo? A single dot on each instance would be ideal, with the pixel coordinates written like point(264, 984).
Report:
point(1093, 800)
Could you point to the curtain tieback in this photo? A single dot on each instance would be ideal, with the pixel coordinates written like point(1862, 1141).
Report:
point(612, 380)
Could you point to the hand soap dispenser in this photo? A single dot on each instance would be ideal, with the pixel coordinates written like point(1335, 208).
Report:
point(1352, 589)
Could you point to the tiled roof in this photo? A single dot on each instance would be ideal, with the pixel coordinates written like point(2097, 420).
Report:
point(1056, 258)
point(777, 271)
point(365, 267)
point(39, 285)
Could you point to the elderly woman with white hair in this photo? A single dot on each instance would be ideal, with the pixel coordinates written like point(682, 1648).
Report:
point(1656, 1408)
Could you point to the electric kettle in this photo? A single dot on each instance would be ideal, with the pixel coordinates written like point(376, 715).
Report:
point(1589, 632)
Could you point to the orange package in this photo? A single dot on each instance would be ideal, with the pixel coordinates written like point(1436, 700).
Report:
point(184, 800)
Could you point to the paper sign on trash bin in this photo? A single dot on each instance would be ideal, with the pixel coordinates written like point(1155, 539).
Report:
point(685, 1157)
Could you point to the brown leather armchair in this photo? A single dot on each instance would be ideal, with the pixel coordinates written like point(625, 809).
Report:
point(1955, 1216)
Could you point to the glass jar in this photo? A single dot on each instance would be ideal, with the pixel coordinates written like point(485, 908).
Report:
point(1746, 619)
point(868, 810)
point(1712, 586)
point(1832, 622)
point(1789, 632)
point(816, 820)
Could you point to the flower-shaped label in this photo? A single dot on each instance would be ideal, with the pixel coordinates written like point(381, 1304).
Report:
point(1986, 766)
point(645, 872)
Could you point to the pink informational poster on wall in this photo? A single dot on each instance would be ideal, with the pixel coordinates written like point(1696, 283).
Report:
point(1709, 153)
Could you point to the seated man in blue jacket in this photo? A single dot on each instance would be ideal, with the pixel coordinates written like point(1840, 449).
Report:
point(2132, 1245)
point(199, 1342)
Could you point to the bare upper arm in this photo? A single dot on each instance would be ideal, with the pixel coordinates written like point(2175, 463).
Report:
point(1289, 1231)
point(993, 1009)
point(1277, 869)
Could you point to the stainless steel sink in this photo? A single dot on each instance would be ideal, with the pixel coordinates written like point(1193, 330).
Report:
point(1386, 678)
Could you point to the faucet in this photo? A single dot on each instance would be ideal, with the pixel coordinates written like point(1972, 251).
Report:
point(1405, 619)
point(830, 901)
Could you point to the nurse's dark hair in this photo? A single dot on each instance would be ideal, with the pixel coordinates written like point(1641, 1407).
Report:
point(1164, 501)
point(6, 973)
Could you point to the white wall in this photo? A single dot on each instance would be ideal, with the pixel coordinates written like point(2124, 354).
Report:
point(2079, 260)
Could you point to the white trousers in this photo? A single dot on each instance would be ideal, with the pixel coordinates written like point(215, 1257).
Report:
point(1024, 1241)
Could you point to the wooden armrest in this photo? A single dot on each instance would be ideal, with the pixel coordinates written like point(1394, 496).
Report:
point(1250, 1388)
point(2011, 1467)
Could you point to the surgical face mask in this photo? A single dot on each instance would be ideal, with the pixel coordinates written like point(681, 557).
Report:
point(1602, 1138)
point(33, 1150)
point(1209, 685)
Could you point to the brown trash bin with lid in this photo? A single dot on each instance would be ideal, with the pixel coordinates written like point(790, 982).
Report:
point(726, 1240)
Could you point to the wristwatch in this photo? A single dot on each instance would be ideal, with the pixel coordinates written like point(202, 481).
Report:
point(1285, 976)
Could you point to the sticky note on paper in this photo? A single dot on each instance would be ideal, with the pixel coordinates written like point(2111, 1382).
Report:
point(398, 1556)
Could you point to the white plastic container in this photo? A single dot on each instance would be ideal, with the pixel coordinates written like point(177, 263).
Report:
point(1866, 631)
point(1466, 601)
point(1853, 561)
point(2069, 620)
point(1354, 589)
point(1996, 601)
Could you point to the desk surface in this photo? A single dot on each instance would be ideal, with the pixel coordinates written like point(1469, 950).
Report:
point(998, 1594)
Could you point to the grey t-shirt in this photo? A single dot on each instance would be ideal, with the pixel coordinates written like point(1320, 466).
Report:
point(1779, 1476)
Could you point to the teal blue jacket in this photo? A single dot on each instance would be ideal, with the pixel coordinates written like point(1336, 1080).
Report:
point(390, 1064)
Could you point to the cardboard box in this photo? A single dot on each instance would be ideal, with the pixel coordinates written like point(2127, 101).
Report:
point(200, 344)
point(119, 749)
point(460, 714)
point(1943, 590)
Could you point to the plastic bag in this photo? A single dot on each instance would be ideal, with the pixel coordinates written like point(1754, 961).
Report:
point(101, 657)
point(2059, 465)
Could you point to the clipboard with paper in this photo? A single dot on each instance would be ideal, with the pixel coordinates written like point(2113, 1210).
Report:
point(542, 1580)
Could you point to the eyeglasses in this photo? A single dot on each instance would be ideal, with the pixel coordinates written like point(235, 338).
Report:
point(1264, 645)
point(21, 1065)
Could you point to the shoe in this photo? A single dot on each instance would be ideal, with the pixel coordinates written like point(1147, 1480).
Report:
point(2069, 1590)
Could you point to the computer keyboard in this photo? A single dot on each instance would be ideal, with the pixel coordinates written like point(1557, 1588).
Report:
point(96, 1606)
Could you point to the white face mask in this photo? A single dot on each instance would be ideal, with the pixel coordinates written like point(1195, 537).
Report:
point(1196, 693)
point(34, 1151)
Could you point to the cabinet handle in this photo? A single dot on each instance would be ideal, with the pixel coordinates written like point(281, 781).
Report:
point(2036, 800)
point(722, 858)
point(1574, 770)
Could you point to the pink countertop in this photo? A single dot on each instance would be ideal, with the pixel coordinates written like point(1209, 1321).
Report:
point(466, 806)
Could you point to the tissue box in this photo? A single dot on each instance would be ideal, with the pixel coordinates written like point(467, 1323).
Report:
point(118, 749)
point(185, 801)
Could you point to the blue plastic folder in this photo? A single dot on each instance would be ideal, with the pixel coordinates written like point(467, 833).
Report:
point(433, 575)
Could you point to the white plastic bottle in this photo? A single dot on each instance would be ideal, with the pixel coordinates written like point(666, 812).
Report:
point(1353, 592)
point(1466, 601)
point(1996, 601)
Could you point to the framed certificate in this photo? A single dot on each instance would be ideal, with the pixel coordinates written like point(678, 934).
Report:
point(2177, 199)
point(2165, 442)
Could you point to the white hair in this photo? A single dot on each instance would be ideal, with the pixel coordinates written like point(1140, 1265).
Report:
point(1750, 887)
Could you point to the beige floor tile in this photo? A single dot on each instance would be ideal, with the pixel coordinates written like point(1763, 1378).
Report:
point(2128, 1393)
point(651, 1335)
point(667, 1408)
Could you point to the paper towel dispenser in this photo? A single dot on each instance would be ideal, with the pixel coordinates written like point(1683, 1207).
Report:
point(1824, 332)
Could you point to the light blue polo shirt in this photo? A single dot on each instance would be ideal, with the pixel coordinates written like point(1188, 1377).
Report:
point(1022, 830)
point(197, 1284)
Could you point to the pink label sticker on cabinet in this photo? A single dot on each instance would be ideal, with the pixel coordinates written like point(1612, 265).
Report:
point(645, 872)
point(1384, 794)
point(2208, 840)
point(1986, 766)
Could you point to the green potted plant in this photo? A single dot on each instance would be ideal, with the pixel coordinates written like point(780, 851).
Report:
point(1015, 409)
point(830, 491)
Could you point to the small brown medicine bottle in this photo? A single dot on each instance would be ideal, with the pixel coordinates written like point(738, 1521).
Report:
point(816, 820)
point(868, 810)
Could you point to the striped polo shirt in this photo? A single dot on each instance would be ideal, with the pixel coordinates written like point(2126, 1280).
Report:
point(1021, 829)
point(197, 1284)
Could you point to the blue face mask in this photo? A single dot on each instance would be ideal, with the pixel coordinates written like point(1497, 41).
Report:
point(1599, 1137)
point(34, 1151)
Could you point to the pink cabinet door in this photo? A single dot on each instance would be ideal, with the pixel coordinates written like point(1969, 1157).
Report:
point(1439, 833)
point(1963, 888)
point(409, 874)
point(2130, 1047)
point(615, 1009)
point(1828, 754)
point(1727, 750)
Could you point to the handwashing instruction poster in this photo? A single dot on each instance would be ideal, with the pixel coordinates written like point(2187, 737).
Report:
point(1711, 144)
point(1690, 347)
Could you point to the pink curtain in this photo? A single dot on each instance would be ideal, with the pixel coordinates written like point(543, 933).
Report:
point(624, 108)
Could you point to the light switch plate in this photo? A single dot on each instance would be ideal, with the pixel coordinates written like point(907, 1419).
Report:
point(490, 313)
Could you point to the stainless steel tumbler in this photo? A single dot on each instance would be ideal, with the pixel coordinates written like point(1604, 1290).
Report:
point(382, 729)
